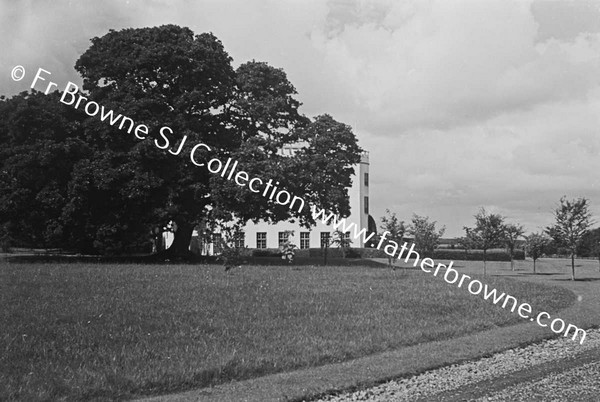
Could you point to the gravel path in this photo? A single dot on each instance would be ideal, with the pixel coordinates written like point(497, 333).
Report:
point(554, 370)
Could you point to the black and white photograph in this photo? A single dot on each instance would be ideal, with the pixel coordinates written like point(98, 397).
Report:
point(300, 200)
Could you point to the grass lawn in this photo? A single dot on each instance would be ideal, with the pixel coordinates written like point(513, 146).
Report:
point(72, 331)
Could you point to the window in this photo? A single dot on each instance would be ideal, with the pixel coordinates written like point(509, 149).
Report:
point(325, 239)
point(261, 240)
point(304, 239)
point(283, 237)
point(366, 179)
point(240, 240)
point(366, 205)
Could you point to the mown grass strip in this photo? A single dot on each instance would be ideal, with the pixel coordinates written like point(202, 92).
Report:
point(116, 331)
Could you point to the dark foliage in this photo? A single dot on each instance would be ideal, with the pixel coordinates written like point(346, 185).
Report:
point(76, 181)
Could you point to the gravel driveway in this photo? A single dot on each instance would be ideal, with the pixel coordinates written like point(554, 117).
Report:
point(554, 370)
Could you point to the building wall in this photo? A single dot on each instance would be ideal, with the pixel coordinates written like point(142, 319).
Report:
point(358, 194)
point(358, 215)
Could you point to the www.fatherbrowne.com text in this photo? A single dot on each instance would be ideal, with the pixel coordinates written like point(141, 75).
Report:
point(451, 276)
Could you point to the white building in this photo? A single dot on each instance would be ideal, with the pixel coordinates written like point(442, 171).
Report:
point(263, 235)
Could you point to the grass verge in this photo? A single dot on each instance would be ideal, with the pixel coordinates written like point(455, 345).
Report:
point(118, 331)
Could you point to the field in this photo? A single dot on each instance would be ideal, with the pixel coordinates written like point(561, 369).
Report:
point(72, 331)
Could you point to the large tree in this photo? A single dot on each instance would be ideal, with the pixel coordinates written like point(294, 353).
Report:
point(39, 146)
point(169, 77)
point(573, 219)
point(487, 233)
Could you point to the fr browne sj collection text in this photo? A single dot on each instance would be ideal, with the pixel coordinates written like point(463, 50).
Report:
point(71, 96)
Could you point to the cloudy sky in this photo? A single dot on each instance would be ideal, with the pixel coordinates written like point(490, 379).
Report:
point(461, 104)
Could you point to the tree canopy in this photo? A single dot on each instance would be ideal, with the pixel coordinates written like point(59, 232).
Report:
point(535, 245)
point(426, 236)
point(573, 219)
point(487, 233)
point(395, 228)
point(117, 187)
point(39, 146)
point(512, 233)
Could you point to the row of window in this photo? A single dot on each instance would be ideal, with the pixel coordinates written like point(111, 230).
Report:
point(261, 239)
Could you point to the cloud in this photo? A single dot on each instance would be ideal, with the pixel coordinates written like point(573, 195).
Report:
point(518, 164)
point(443, 64)
point(566, 19)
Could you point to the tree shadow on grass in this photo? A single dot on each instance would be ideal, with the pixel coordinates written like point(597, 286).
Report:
point(578, 280)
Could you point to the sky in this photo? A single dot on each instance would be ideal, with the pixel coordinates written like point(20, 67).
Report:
point(461, 104)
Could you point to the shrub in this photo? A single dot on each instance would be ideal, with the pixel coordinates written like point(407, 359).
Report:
point(5, 239)
point(371, 253)
point(353, 252)
point(234, 257)
point(331, 252)
point(266, 252)
point(288, 251)
point(311, 252)
point(5, 246)
point(302, 253)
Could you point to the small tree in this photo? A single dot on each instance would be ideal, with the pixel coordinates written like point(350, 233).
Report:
point(342, 240)
point(390, 223)
point(535, 244)
point(287, 248)
point(425, 236)
point(512, 233)
point(487, 233)
point(572, 221)
point(232, 254)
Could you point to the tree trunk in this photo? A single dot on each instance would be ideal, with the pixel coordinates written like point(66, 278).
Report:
point(572, 266)
point(484, 263)
point(534, 266)
point(512, 263)
point(180, 248)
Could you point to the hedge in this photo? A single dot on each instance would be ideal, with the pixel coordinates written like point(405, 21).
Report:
point(355, 252)
point(347, 262)
point(333, 252)
point(476, 255)
point(266, 252)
